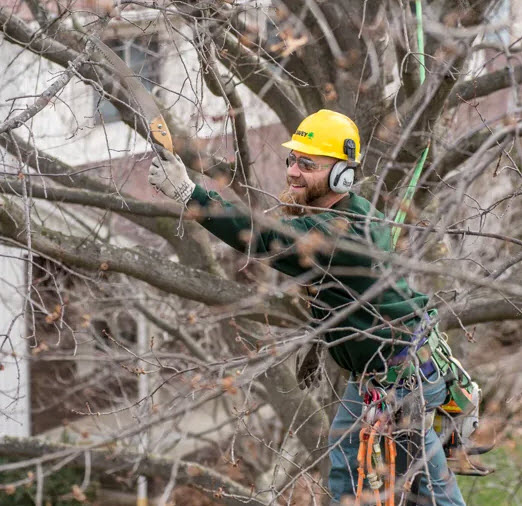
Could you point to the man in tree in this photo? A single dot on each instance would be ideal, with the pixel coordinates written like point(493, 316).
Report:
point(381, 331)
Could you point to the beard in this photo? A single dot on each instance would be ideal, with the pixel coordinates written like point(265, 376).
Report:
point(305, 197)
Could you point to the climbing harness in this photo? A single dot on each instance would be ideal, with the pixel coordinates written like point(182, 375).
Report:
point(382, 418)
point(458, 418)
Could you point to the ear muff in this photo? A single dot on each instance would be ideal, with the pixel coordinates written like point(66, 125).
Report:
point(341, 177)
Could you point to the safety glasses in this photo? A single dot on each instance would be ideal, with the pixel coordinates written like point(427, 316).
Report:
point(304, 164)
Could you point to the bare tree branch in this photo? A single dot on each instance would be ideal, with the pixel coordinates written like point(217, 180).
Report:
point(485, 85)
point(482, 311)
point(212, 483)
point(194, 249)
point(141, 264)
point(123, 205)
point(224, 86)
point(39, 12)
point(47, 95)
point(263, 78)
point(299, 411)
point(175, 331)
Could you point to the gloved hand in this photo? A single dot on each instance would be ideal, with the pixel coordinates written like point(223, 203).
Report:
point(169, 175)
point(308, 366)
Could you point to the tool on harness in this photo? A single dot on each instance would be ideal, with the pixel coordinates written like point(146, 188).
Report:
point(376, 426)
point(458, 418)
point(455, 428)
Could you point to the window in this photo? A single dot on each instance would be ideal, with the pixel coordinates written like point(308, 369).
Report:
point(500, 16)
point(141, 56)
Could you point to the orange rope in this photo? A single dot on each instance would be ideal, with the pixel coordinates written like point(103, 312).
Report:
point(363, 440)
point(364, 459)
point(387, 479)
point(390, 455)
point(369, 463)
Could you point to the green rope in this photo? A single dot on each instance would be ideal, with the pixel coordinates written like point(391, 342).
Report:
point(410, 191)
point(408, 197)
point(420, 40)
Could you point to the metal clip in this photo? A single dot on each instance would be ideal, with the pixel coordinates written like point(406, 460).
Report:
point(410, 383)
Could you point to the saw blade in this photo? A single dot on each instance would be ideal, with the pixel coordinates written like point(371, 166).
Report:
point(141, 97)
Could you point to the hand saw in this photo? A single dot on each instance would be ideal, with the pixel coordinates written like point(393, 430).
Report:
point(143, 100)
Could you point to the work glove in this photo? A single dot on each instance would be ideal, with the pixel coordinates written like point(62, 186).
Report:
point(168, 174)
point(308, 366)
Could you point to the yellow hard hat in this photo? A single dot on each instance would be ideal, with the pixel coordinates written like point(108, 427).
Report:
point(327, 133)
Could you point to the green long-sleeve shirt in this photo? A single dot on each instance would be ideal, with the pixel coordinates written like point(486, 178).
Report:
point(339, 277)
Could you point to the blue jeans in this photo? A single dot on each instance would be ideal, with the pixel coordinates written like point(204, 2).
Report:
point(441, 485)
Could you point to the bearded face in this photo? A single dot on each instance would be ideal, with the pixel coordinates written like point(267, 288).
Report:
point(303, 191)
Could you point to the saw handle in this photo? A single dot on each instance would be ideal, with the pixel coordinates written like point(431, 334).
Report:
point(160, 133)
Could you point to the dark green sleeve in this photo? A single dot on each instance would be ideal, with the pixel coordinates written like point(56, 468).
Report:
point(226, 222)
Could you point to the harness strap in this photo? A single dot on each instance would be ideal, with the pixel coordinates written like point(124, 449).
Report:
point(458, 380)
point(435, 354)
point(406, 369)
